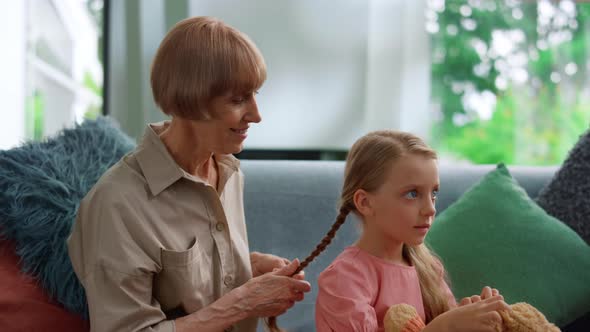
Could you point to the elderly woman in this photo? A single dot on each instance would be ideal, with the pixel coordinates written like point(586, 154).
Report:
point(160, 242)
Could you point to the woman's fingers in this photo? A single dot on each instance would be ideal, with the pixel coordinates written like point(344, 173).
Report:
point(274, 293)
point(300, 275)
point(288, 269)
point(298, 296)
point(475, 298)
point(300, 285)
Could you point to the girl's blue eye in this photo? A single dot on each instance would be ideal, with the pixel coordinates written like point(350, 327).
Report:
point(412, 194)
point(434, 194)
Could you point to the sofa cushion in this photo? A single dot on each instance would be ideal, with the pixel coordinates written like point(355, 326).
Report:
point(566, 197)
point(41, 185)
point(24, 305)
point(496, 235)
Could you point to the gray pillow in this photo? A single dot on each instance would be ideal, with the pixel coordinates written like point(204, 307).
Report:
point(567, 196)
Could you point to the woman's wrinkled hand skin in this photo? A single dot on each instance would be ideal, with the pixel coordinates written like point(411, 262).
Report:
point(264, 263)
point(273, 293)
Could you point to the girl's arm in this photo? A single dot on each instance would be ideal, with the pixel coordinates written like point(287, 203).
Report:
point(343, 303)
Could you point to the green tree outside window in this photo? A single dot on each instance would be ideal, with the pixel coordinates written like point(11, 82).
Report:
point(509, 79)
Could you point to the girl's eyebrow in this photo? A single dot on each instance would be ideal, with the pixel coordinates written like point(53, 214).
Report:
point(411, 186)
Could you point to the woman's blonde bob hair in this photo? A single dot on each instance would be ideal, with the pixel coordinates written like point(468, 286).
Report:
point(199, 59)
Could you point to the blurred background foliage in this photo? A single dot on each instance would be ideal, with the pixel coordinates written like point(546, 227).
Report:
point(509, 79)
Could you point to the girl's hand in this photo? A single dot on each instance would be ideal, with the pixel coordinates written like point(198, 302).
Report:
point(486, 293)
point(271, 294)
point(481, 316)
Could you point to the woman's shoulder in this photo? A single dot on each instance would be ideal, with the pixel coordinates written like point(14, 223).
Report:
point(117, 184)
point(125, 172)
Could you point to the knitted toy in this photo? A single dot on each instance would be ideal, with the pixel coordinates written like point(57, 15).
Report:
point(523, 318)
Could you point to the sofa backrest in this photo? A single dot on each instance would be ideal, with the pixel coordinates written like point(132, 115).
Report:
point(290, 205)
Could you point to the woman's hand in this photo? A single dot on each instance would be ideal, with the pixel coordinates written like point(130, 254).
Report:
point(486, 293)
point(481, 316)
point(264, 263)
point(271, 294)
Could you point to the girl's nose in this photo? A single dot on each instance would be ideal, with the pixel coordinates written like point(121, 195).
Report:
point(429, 208)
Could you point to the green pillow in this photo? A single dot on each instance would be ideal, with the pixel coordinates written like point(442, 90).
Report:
point(496, 235)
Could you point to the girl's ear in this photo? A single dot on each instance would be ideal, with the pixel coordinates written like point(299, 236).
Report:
point(362, 202)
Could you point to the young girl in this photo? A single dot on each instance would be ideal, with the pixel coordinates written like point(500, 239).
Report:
point(391, 183)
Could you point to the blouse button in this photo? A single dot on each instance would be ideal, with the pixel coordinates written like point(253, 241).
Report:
point(219, 226)
point(228, 280)
point(229, 329)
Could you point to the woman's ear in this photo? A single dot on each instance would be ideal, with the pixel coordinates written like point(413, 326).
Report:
point(362, 202)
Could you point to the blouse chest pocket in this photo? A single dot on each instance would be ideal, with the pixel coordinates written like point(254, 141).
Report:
point(186, 279)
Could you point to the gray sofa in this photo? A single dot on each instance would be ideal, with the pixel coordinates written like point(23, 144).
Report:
point(290, 205)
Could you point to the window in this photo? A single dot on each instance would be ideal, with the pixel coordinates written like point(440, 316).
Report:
point(483, 81)
point(53, 57)
point(509, 79)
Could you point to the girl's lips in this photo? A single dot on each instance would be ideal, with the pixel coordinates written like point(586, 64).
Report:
point(422, 228)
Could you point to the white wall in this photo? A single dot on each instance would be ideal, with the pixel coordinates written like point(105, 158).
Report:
point(335, 71)
point(316, 56)
point(12, 80)
point(398, 67)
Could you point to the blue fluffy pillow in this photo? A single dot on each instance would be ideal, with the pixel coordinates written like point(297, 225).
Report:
point(41, 186)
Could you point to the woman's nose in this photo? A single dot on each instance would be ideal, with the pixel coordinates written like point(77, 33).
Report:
point(252, 113)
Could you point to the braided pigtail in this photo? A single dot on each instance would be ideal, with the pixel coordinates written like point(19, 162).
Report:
point(271, 323)
point(368, 165)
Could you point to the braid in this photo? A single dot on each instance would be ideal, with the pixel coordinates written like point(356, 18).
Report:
point(344, 211)
point(340, 219)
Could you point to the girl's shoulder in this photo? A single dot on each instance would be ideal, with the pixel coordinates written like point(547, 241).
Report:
point(349, 276)
point(349, 262)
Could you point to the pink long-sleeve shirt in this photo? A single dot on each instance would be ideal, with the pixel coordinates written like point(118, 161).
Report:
point(356, 290)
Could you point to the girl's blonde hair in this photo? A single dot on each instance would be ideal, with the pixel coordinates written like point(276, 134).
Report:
point(199, 59)
point(367, 166)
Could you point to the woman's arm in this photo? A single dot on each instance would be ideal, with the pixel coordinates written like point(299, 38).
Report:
point(268, 295)
point(221, 314)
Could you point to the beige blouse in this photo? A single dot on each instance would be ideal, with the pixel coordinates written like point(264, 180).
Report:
point(152, 241)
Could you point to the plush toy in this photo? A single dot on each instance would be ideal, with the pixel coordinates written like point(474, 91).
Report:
point(522, 318)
